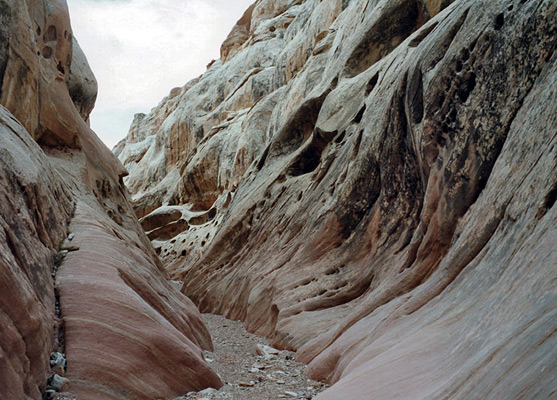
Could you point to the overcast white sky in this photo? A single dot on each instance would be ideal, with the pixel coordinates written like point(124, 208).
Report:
point(140, 49)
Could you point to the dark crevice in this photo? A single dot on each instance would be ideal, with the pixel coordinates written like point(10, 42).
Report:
point(549, 199)
point(466, 86)
point(371, 84)
point(547, 202)
point(415, 94)
point(340, 137)
point(499, 21)
point(358, 118)
point(263, 158)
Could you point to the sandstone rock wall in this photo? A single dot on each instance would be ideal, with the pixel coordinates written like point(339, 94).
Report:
point(33, 215)
point(371, 183)
point(78, 274)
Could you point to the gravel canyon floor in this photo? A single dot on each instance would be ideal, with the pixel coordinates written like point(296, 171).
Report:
point(250, 368)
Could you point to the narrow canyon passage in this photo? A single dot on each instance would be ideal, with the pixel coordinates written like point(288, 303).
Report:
point(369, 183)
point(250, 368)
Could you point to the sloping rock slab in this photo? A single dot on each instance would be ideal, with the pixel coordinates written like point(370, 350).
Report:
point(129, 333)
point(34, 207)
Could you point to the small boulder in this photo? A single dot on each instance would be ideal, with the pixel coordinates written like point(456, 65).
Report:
point(59, 383)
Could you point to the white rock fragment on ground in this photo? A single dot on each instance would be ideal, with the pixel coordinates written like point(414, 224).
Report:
point(266, 351)
point(208, 391)
point(59, 383)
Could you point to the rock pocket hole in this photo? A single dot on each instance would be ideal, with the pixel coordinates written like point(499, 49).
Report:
point(467, 86)
point(371, 84)
point(550, 197)
point(47, 52)
point(262, 160)
point(299, 127)
point(499, 21)
point(465, 54)
point(308, 160)
point(452, 115)
point(416, 95)
point(358, 118)
point(50, 34)
point(340, 137)
point(60, 68)
point(332, 271)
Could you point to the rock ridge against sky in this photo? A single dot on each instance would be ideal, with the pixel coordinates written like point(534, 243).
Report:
point(140, 49)
point(376, 181)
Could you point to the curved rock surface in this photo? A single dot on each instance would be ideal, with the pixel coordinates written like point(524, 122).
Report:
point(381, 176)
point(33, 214)
point(78, 274)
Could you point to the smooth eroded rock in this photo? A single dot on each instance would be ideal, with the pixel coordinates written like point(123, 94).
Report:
point(383, 175)
point(100, 296)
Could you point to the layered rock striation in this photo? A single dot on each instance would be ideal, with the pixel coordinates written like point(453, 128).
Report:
point(78, 274)
point(370, 183)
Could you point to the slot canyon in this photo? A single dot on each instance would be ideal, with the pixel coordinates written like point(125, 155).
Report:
point(360, 192)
